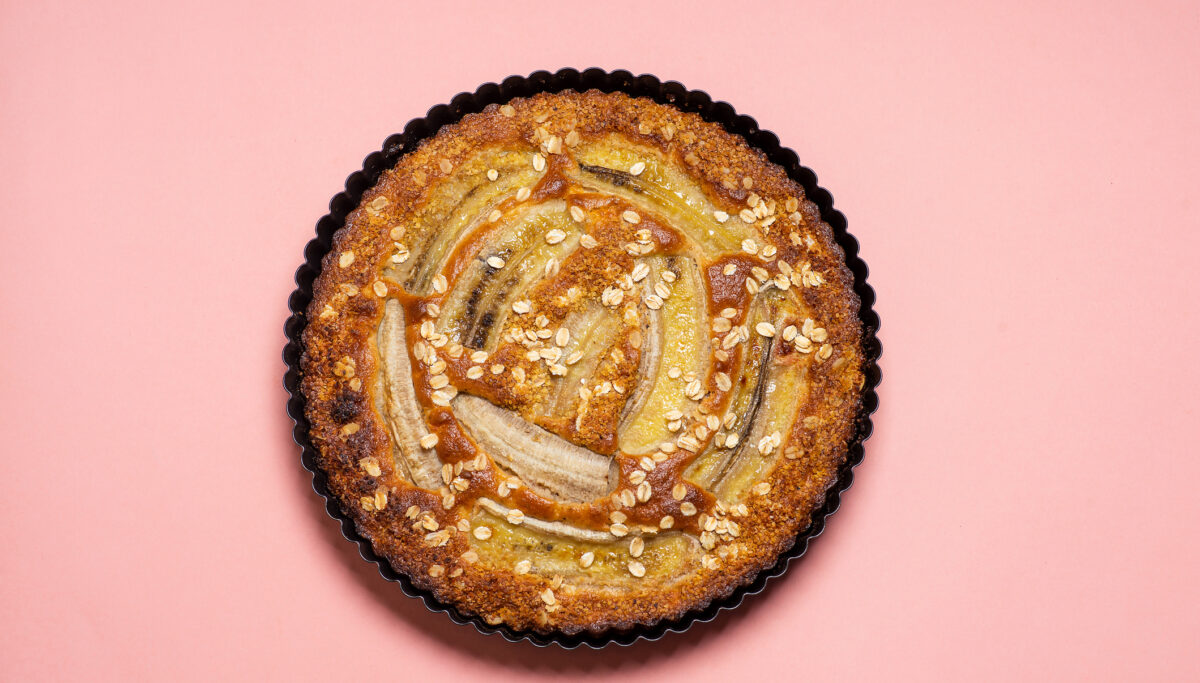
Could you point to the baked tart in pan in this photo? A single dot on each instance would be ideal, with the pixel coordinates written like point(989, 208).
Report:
point(582, 363)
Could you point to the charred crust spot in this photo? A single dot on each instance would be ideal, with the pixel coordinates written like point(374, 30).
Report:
point(344, 408)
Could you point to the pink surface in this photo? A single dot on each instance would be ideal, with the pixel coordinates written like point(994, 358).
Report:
point(1022, 178)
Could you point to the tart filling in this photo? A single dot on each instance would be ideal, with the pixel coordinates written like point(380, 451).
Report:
point(582, 361)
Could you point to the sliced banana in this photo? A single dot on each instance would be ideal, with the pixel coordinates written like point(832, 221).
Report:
point(405, 422)
point(684, 345)
point(546, 463)
point(555, 528)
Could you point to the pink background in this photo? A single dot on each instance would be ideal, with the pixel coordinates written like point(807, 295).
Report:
point(1022, 178)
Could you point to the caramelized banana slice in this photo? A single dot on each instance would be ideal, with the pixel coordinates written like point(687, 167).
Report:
point(785, 389)
point(421, 464)
point(470, 197)
point(708, 468)
point(659, 188)
point(651, 351)
point(681, 345)
point(556, 528)
point(591, 332)
point(546, 463)
point(505, 263)
point(556, 549)
point(747, 396)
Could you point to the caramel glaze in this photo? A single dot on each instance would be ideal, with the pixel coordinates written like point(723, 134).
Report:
point(729, 291)
point(589, 270)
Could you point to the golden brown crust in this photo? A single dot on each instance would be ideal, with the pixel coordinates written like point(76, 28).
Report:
point(410, 527)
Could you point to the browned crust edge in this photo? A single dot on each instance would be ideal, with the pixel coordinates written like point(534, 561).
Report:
point(798, 485)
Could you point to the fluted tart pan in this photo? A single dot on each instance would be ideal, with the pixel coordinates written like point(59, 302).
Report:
point(582, 358)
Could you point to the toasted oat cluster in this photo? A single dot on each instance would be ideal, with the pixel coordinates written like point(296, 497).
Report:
point(582, 362)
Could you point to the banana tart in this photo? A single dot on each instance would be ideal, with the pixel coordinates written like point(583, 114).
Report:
point(582, 362)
